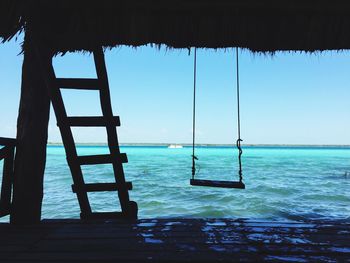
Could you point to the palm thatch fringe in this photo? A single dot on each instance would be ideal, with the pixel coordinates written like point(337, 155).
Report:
point(10, 18)
point(263, 26)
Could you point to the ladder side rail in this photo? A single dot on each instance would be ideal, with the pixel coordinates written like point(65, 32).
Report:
point(66, 133)
point(7, 180)
point(112, 137)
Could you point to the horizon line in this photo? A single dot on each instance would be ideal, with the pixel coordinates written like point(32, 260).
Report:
point(202, 144)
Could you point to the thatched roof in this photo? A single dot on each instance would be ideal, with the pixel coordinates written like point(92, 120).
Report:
point(259, 25)
point(10, 16)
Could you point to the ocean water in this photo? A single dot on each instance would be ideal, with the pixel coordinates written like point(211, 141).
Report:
point(282, 183)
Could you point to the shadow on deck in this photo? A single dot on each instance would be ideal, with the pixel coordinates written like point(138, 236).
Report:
point(164, 240)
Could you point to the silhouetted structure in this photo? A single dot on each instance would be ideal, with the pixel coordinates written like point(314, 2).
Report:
point(58, 26)
point(7, 151)
point(177, 240)
point(107, 120)
point(264, 26)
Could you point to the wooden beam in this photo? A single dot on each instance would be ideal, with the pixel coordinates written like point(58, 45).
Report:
point(84, 84)
point(87, 121)
point(220, 184)
point(100, 159)
point(32, 129)
point(129, 208)
point(101, 187)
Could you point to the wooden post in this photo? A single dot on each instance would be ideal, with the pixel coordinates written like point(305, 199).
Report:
point(32, 129)
point(7, 180)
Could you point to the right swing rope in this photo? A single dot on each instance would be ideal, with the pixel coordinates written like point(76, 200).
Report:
point(194, 157)
point(215, 183)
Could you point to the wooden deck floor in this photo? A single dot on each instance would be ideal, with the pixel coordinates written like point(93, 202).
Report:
point(164, 240)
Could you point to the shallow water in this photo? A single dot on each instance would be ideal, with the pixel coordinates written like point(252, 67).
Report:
point(284, 183)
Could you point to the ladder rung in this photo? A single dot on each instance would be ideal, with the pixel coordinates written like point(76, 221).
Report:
point(92, 121)
point(100, 159)
point(85, 84)
point(102, 215)
point(101, 187)
point(7, 141)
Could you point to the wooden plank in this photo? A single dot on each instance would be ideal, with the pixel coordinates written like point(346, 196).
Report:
point(139, 244)
point(102, 215)
point(230, 236)
point(214, 183)
point(146, 240)
point(7, 141)
point(181, 231)
point(169, 256)
point(221, 224)
point(32, 132)
point(92, 121)
point(163, 227)
point(80, 84)
point(174, 256)
point(225, 222)
point(101, 187)
point(100, 159)
point(22, 238)
point(120, 256)
point(193, 237)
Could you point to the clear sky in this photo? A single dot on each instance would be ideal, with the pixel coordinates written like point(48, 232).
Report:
point(290, 98)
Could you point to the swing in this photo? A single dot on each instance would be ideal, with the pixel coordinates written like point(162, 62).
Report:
point(215, 183)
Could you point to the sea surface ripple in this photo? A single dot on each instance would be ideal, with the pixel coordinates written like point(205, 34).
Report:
point(282, 183)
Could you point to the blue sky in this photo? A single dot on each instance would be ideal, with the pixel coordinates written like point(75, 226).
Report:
point(290, 98)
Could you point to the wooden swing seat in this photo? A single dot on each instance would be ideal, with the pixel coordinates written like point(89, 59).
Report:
point(214, 183)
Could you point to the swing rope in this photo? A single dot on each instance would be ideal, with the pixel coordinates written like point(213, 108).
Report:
point(239, 140)
point(194, 158)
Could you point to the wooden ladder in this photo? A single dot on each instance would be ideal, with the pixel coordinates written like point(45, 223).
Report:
point(64, 122)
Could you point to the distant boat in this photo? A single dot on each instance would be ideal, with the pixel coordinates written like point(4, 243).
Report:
point(175, 146)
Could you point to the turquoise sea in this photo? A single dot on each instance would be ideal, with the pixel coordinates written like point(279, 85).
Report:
point(284, 183)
